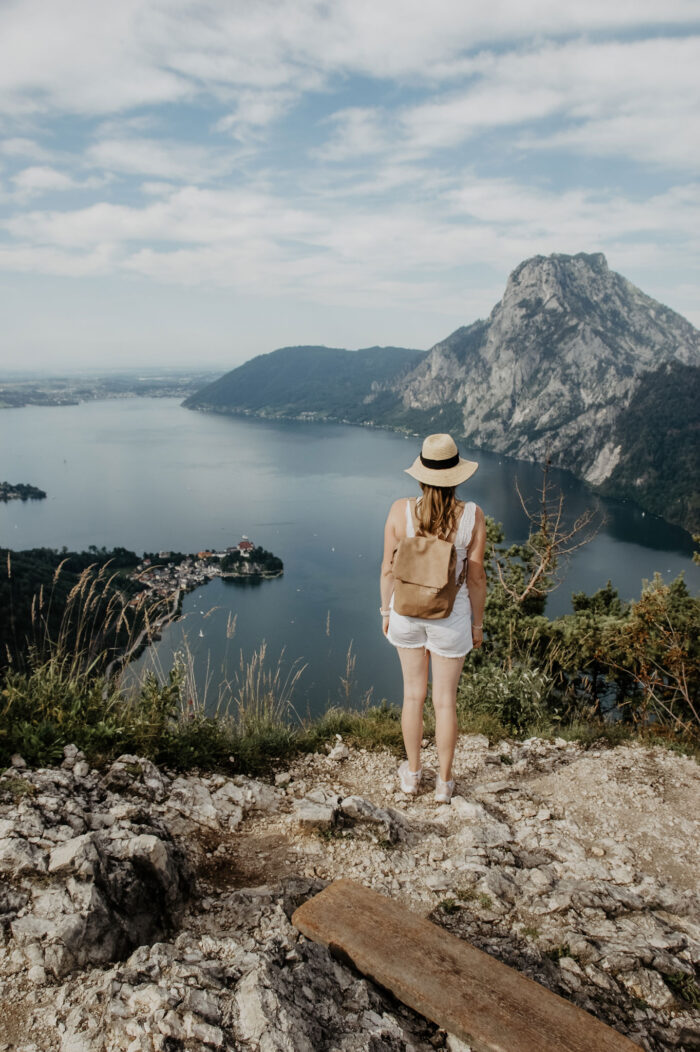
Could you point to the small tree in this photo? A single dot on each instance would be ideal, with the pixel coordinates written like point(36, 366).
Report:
point(658, 646)
point(551, 542)
point(521, 576)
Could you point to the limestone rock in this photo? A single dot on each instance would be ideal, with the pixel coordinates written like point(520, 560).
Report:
point(100, 942)
point(138, 776)
point(192, 801)
point(18, 857)
point(79, 855)
point(311, 815)
point(648, 986)
point(101, 894)
point(362, 810)
point(482, 828)
point(258, 796)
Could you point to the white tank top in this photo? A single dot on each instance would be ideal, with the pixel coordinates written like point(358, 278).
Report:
point(462, 537)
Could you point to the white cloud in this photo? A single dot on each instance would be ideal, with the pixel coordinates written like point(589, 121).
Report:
point(659, 139)
point(90, 57)
point(157, 158)
point(38, 259)
point(357, 131)
point(247, 239)
point(37, 180)
point(254, 112)
point(22, 147)
point(41, 179)
point(185, 215)
point(83, 57)
point(638, 99)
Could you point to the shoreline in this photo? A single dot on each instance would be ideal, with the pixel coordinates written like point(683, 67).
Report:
point(186, 576)
point(313, 417)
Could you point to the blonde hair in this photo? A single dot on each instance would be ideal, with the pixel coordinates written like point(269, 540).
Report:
point(436, 510)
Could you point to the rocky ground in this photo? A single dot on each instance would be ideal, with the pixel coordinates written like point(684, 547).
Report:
point(142, 910)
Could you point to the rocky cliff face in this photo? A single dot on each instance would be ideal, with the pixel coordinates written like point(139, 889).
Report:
point(557, 360)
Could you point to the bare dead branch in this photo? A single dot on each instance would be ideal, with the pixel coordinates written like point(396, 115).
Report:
point(550, 541)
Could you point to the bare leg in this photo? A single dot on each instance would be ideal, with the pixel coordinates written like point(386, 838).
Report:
point(414, 665)
point(446, 673)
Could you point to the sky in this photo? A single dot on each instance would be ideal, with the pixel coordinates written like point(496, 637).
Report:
point(193, 183)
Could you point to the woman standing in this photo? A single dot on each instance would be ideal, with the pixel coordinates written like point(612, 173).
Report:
point(439, 469)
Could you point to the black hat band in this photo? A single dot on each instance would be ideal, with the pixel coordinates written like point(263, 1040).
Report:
point(440, 465)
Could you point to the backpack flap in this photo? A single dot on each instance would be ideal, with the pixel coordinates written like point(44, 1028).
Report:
point(425, 561)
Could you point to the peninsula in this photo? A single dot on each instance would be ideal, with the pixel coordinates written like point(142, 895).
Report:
point(150, 589)
point(166, 573)
point(164, 577)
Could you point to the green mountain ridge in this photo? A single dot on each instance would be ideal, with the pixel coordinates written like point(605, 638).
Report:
point(324, 382)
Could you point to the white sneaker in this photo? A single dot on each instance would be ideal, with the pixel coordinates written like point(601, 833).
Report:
point(443, 790)
point(410, 780)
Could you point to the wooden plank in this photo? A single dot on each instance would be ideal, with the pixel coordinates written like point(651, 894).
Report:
point(467, 992)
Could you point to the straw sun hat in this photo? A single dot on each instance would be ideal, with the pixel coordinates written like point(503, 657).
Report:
point(440, 464)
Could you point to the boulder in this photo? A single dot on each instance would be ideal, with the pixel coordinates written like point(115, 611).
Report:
point(648, 986)
point(19, 857)
point(361, 810)
point(310, 815)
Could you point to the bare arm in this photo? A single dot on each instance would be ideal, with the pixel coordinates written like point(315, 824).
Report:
point(476, 576)
point(392, 536)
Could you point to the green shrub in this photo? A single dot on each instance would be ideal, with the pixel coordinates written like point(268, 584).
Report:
point(515, 696)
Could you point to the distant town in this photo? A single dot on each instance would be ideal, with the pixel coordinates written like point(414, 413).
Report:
point(167, 575)
point(18, 390)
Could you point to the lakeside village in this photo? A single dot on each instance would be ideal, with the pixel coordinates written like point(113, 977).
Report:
point(167, 575)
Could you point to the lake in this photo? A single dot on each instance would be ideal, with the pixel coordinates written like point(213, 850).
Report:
point(150, 475)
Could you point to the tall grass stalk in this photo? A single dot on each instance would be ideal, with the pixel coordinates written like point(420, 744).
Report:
point(260, 695)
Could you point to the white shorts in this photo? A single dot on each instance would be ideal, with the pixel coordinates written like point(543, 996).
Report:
point(448, 637)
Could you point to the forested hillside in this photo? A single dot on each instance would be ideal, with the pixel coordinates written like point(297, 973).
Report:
point(325, 382)
point(34, 588)
point(659, 432)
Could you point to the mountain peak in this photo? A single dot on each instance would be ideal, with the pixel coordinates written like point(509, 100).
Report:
point(560, 262)
point(558, 359)
point(559, 281)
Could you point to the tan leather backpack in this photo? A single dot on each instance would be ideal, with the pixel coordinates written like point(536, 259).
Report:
point(424, 576)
